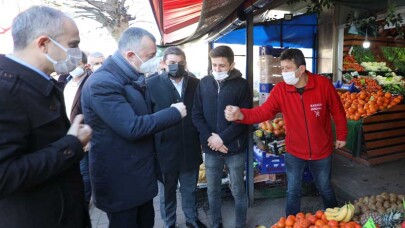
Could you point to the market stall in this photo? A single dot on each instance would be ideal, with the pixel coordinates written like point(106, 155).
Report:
point(373, 90)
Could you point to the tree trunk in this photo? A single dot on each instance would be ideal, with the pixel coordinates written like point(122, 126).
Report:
point(116, 31)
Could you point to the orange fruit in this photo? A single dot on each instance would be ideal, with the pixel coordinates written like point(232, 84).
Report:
point(333, 223)
point(300, 215)
point(319, 222)
point(289, 222)
point(292, 217)
point(312, 218)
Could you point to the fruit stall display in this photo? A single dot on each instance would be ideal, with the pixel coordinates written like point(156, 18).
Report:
point(381, 211)
point(376, 114)
point(386, 209)
point(364, 103)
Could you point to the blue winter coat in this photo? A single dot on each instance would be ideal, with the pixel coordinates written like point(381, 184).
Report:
point(122, 164)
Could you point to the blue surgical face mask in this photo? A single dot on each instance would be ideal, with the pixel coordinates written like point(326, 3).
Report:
point(74, 56)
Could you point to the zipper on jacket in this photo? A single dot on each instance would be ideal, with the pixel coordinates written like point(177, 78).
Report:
point(218, 107)
point(219, 86)
point(306, 124)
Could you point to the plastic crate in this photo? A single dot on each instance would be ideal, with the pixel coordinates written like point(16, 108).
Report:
point(268, 163)
point(272, 189)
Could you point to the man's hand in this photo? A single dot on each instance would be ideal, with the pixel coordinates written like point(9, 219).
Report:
point(233, 113)
point(340, 144)
point(215, 143)
point(181, 108)
point(79, 130)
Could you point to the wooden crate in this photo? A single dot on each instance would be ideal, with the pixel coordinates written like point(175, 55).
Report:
point(383, 137)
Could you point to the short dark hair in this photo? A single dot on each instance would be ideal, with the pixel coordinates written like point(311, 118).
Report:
point(84, 58)
point(295, 55)
point(173, 51)
point(222, 51)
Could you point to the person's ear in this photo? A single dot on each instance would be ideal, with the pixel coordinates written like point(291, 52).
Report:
point(130, 55)
point(42, 42)
point(232, 66)
point(303, 69)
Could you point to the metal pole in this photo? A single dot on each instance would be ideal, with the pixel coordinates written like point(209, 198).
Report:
point(249, 77)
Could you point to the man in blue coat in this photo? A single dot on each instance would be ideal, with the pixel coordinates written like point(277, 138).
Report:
point(116, 103)
point(40, 181)
point(178, 148)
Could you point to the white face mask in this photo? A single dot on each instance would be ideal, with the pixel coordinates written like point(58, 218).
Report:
point(79, 71)
point(148, 66)
point(95, 67)
point(219, 76)
point(289, 77)
point(74, 56)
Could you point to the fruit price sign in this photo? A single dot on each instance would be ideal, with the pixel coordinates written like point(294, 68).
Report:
point(370, 223)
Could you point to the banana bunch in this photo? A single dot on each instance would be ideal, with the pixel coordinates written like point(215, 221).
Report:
point(340, 214)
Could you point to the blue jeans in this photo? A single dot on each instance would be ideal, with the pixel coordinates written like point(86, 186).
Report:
point(167, 191)
point(84, 170)
point(321, 172)
point(214, 165)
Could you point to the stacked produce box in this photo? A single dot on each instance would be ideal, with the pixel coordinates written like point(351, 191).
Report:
point(268, 154)
point(270, 70)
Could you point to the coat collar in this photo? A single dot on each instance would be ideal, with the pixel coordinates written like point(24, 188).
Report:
point(27, 75)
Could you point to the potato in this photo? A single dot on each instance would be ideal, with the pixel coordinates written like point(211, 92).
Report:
point(385, 196)
point(379, 198)
point(387, 204)
point(381, 211)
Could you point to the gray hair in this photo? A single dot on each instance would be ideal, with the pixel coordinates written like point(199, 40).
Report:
point(96, 54)
point(34, 22)
point(131, 38)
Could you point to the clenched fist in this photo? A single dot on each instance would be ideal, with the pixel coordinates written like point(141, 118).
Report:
point(233, 113)
point(81, 131)
point(181, 108)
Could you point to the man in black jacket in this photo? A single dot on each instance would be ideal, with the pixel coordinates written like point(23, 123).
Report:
point(40, 181)
point(223, 142)
point(178, 148)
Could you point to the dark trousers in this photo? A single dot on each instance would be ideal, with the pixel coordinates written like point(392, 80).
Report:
point(84, 170)
point(142, 216)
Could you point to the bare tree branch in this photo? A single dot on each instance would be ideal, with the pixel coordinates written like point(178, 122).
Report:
point(113, 14)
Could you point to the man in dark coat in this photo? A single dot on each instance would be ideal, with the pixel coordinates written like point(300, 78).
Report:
point(40, 181)
point(178, 148)
point(116, 104)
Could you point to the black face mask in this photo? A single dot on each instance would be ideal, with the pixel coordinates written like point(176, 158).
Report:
point(176, 70)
